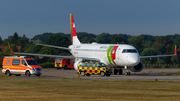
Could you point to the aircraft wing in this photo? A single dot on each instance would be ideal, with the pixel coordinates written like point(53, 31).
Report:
point(53, 46)
point(143, 57)
point(56, 56)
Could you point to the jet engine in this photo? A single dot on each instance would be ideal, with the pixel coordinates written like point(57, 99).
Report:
point(76, 63)
point(137, 68)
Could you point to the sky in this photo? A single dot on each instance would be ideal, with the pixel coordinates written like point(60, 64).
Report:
point(133, 17)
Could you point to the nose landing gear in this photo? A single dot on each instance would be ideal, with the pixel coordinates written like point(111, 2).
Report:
point(128, 73)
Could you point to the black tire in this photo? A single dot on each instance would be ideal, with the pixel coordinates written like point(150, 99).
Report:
point(38, 75)
point(88, 74)
point(120, 71)
point(8, 73)
point(82, 74)
point(65, 67)
point(102, 74)
point(18, 74)
point(115, 71)
point(58, 68)
point(28, 73)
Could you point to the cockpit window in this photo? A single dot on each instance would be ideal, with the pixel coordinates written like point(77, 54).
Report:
point(129, 51)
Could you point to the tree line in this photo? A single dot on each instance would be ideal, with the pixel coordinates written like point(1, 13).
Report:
point(145, 44)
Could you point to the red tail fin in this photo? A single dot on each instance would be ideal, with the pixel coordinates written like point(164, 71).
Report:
point(74, 39)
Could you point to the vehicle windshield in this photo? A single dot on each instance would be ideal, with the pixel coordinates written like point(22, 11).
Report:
point(32, 62)
point(103, 65)
point(129, 51)
point(58, 59)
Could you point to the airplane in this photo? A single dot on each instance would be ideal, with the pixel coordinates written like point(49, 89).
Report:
point(110, 54)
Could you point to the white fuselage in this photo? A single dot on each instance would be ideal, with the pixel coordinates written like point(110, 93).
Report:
point(110, 54)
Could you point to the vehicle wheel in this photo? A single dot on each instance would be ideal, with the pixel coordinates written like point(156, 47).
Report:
point(38, 75)
point(102, 74)
point(65, 67)
point(120, 71)
point(8, 73)
point(58, 68)
point(88, 74)
point(28, 73)
point(108, 75)
point(115, 71)
point(82, 74)
point(18, 74)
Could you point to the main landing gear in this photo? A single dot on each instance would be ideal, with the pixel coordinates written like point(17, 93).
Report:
point(116, 71)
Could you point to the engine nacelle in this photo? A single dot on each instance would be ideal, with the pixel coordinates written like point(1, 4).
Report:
point(137, 68)
point(76, 63)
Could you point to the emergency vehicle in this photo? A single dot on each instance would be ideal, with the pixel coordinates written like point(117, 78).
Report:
point(89, 67)
point(14, 65)
point(64, 63)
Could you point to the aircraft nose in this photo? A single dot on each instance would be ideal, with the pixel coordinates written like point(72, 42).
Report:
point(135, 60)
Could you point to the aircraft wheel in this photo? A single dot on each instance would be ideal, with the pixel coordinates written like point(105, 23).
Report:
point(28, 73)
point(120, 71)
point(127, 73)
point(115, 71)
point(102, 74)
point(8, 73)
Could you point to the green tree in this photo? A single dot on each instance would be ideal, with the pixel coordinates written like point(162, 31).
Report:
point(160, 48)
point(1, 40)
point(176, 59)
point(149, 52)
point(8, 51)
point(164, 40)
point(86, 37)
point(14, 39)
point(137, 41)
point(43, 37)
point(102, 36)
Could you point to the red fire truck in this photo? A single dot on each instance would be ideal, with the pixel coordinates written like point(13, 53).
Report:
point(64, 63)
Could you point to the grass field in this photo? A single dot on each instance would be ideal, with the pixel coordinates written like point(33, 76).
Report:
point(41, 89)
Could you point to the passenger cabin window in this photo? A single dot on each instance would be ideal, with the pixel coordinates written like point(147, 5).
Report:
point(15, 62)
point(83, 64)
point(89, 64)
point(23, 63)
point(129, 51)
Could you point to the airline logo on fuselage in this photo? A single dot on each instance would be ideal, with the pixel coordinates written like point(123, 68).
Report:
point(111, 54)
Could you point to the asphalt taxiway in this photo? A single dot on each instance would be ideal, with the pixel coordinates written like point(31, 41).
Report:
point(146, 74)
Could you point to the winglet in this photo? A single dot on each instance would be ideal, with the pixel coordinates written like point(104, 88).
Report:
point(175, 53)
point(10, 48)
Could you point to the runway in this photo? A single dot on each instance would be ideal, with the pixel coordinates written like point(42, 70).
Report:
point(146, 74)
